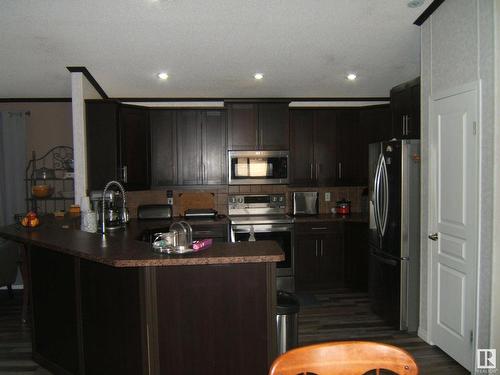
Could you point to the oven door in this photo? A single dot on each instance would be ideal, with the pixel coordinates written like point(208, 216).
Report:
point(281, 233)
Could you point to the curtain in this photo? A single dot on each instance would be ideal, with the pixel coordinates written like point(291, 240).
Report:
point(12, 165)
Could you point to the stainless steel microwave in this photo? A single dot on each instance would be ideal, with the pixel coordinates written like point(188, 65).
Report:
point(258, 167)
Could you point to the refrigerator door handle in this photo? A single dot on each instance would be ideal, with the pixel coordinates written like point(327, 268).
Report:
point(376, 195)
point(385, 212)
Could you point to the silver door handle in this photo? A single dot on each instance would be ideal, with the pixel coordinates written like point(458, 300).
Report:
point(433, 237)
point(316, 246)
point(321, 246)
point(408, 124)
point(340, 171)
point(404, 124)
point(125, 174)
point(311, 171)
point(386, 195)
point(317, 171)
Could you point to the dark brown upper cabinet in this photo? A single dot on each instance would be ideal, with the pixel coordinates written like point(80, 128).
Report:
point(405, 108)
point(214, 147)
point(312, 143)
point(201, 146)
point(163, 147)
point(134, 147)
point(103, 162)
point(350, 147)
point(188, 147)
point(258, 126)
point(117, 145)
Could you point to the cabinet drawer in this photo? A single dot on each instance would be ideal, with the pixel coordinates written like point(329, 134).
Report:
point(319, 227)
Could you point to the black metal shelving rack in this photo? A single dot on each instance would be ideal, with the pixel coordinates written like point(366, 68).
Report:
point(58, 159)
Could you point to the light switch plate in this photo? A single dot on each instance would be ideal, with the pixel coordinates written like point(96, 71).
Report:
point(327, 196)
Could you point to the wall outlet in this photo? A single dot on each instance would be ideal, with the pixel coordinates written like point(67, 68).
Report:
point(327, 196)
point(170, 197)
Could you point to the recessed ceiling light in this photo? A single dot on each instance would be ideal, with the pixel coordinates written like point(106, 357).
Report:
point(162, 75)
point(415, 3)
point(351, 76)
point(258, 75)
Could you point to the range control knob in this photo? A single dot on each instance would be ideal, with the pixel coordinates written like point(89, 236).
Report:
point(274, 198)
point(240, 200)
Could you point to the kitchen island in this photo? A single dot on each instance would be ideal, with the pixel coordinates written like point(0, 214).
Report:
point(109, 305)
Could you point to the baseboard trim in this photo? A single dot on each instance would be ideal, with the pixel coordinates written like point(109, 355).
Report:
point(422, 333)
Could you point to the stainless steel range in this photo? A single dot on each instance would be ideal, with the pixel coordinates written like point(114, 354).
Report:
point(263, 217)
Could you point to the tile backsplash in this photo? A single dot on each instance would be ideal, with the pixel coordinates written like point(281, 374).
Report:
point(352, 193)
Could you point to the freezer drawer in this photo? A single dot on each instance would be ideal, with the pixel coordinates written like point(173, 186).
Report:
point(385, 288)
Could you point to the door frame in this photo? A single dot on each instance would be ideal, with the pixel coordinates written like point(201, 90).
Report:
point(430, 246)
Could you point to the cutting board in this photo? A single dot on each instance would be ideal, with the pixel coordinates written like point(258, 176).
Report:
point(196, 200)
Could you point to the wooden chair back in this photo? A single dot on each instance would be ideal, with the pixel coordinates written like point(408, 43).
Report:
point(344, 358)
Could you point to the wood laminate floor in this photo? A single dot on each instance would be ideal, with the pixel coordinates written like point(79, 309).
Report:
point(342, 314)
point(325, 316)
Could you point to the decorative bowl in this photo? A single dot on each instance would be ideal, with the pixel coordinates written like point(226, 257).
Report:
point(42, 191)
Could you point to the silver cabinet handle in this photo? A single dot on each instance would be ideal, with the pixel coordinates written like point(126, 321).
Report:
point(408, 118)
point(340, 171)
point(125, 174)
point(311, 171)
point(316, 247)
point(317, 171)
point(321, 244)
point(319, 228)
point(433, 237)
point(403, 124)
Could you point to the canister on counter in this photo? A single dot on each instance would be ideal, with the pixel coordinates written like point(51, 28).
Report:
point(344, 207)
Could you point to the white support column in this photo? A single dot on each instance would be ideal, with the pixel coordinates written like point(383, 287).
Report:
point(79, 144)
point(81, 89)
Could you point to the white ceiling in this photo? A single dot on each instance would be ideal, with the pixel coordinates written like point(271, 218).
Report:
point(210, 48)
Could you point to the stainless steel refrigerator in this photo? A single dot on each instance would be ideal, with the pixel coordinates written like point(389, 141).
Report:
point(394, 191)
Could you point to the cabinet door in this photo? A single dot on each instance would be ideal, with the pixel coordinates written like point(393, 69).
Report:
point(349, 148)
point(214, 150)
point(134, 147)
point(102, 143)
point(413, 130)
point(400, 109)
point(331, 259)
point(306, 263)
point(273, 126)
point(189, 147)
point(376, 123)
point(242, 126)
point(163, 148)
point(301, 147)
point(324, 147)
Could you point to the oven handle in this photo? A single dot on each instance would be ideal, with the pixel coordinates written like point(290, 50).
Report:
point(256, 229)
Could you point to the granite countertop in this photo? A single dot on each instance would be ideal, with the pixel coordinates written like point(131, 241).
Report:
point(122, 248)
point(355, 217)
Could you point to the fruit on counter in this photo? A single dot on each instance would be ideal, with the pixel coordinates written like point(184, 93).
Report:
point(30, 220)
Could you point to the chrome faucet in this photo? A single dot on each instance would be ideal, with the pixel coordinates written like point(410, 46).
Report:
point(124, 213)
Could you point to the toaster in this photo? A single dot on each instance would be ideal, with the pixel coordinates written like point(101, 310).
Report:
point(305, 203)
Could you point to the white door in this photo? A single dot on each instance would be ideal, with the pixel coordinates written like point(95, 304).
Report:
point(454, 161)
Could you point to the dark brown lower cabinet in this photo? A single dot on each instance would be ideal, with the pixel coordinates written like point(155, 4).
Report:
point(93, 319)
point(319, 253)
